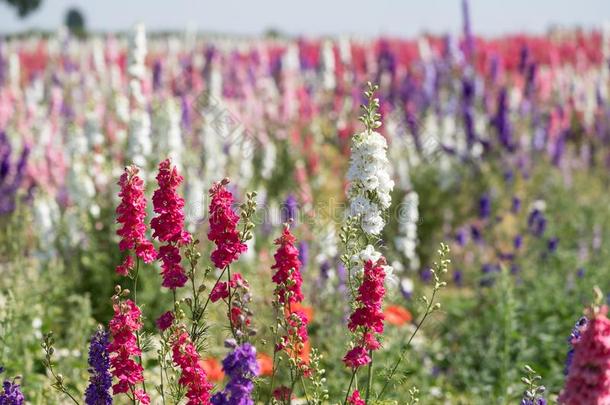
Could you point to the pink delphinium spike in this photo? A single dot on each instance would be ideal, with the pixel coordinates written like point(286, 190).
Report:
point(131, 213)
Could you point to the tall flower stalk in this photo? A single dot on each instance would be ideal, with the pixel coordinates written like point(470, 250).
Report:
point(193, 377)
point(168, 225)
point(125, 348)
point(100, 379)
point(369, 197)
point(241, 367)
point(588, 379)
point(291, 321)
point(131, 214)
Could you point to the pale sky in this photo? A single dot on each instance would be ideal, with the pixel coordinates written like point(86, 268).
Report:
point(318, 17)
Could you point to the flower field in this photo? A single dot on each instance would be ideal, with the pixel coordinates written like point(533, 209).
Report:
point(236, 220)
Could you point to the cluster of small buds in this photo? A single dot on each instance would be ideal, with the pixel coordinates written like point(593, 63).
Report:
point(241, 315)
point(534, 393)
point(371, 117)
point(248, 208)
point(319, 394)
point(413, 396)
point(294, 340)
point(438, 269)
point(59, 384)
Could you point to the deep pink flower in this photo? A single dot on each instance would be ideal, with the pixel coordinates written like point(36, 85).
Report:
point(287, 266)
point(142, 397)
point(223, 227)
point(367, 318)
point(168, 225)
point(282, 393)
point(124, 346)
point(193, 376)
point(356, 357)
point(171, 270)
point(288, 291)
point(131, 213)
point(165, 321)
point(220, 291)
point(355, 399)
point(588, 380)
point(124, 268)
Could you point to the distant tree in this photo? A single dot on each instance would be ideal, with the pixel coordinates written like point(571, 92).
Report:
point(75, 21)
point(273, 33)
point(24, 7)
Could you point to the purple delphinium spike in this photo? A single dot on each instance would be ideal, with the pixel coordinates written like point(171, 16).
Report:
point(538, 401)
point(501, 122)
point(574, 336)
point(516, 205)
point(553, 243)
point(303, 254)
point(517, 242)
point(461, 237)
point(468, 39)
point(11, 394)
point(468, 109)
point(100, 380)
point(290, 209)
point(157, 72)
point(11, 175)
point(484, 206)
point(241, 367)
point(536, 223)
point(458, 277)
point(425, 274)
point(186, 113)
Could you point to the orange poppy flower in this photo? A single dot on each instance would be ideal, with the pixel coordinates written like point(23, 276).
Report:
point(307, 310)
point(397, 315)
point(265, 364)
point(304, 354)
point(213, 369)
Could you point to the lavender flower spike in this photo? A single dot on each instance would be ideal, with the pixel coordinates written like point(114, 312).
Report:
point(11, 394)
point(100, 380)
point(241, 367)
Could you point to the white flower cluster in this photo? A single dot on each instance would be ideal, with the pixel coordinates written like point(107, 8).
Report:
point(167, 132)
point(139, 145)
point(369, 253)
point(406, 241)
point(137, 52)
point(370, 182)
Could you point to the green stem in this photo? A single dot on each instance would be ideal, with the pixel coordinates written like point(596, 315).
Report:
point(349, 387)
point(274, 368)
point(161, 365)
point(304, 389)
point(135, 301)
point(369, 378)
point(208, 300)
point(404, 351)
point(229, 303)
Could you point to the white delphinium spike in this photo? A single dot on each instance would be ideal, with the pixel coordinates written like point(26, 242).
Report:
point(167, 133)
point(328, 66)
point(268, 162)
point(14, 71)
point(137, 52)
point(408, 217)
point(139, 145)
point(368, 174)
point(46, 218)
point(195, 193)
